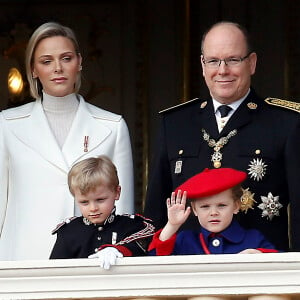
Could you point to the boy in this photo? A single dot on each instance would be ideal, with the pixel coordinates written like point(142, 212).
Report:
point(99, 232)
point(215, 198)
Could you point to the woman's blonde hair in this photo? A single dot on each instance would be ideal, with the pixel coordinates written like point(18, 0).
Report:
point(89, 173)
point(44, 31)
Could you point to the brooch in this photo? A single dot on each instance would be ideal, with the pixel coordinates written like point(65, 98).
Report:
point(257, 169)
point(247, 200)
point(270, 206)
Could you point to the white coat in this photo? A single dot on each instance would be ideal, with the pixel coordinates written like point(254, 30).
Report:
point(34, 194)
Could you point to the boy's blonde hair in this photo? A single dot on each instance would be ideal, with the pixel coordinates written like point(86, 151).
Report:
point(89, 173)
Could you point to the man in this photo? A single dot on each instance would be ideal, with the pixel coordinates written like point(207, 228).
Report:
point(260, 137)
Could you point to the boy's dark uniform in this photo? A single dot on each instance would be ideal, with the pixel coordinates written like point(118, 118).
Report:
point(76, 238)
point(262, 140)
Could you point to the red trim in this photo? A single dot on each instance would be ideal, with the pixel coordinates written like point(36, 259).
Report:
point(203, 244)
point(264, 250)
point(125, 251)
point(162, 247)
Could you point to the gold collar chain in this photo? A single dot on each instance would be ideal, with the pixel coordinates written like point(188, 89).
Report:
point(217, 145)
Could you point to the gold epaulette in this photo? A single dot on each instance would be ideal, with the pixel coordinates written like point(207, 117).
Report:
point(178, 105)
point(284, 103)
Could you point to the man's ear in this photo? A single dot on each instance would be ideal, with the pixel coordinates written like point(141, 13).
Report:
point(253, 60)
point(202, 64)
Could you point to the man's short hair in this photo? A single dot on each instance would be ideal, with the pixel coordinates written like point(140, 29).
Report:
point(238, 26)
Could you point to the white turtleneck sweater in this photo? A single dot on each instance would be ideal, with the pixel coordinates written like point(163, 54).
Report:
point(60, 112)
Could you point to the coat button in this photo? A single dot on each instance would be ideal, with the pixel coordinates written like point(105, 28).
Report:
point(100, 228)
point(99, 238)
point(216, 243)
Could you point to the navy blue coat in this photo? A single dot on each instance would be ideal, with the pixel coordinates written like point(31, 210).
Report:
point(267, 133)
point(233, 239)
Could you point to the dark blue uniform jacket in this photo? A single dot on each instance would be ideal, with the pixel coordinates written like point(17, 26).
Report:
point(266, 135)
point(130, 234)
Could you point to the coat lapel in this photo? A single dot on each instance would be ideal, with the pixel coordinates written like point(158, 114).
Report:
point(33, 130)
point(207, 119)
point(85, 125)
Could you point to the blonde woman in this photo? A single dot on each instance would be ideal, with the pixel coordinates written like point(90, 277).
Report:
point(40, 141)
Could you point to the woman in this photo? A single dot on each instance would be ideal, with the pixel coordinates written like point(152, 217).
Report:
point(40, 141)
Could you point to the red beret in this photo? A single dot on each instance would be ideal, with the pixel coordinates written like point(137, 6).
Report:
point(211, 181)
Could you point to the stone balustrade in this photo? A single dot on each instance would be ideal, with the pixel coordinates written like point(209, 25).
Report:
point(233, 276)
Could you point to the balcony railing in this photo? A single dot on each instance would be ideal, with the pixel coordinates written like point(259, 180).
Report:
point(168, 277)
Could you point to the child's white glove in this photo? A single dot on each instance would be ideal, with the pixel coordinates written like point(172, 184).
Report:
point(107, 257)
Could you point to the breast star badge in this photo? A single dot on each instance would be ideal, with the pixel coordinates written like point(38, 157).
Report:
point(247, 200)
point(257, 169)
point(270, 206)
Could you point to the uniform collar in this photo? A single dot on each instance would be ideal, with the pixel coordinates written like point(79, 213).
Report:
point(234, 105)
point(107, 221)
point(233, 233)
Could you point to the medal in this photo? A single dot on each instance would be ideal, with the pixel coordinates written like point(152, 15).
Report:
point(114, 238)
point(178, 166)
point(217, 156)
point(178, 163)
point(85, 143)
point(270, 206)
point(257, 169)
point(247, 200)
